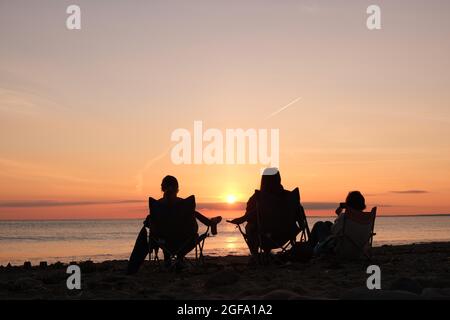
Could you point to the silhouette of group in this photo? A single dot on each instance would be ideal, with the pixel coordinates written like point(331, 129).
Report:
point(274, 219)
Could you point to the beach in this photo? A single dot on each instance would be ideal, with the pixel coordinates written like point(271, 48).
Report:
point(414, 271)
point(101, 240)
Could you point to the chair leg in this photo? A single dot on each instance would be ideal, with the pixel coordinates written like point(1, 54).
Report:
point(201, 249)
point(155, 257)
point(201, 256)
point(196, 255)
point(303, 237)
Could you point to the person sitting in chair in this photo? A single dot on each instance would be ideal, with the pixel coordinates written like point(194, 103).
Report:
point(274, 200)
point(324, 232)
point(173, 227)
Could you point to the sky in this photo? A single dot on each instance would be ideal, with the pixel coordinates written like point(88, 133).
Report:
point(86, 116)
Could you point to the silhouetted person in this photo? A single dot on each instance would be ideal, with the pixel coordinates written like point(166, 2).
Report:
point(323, 231)
point(271, 188)
point(174, 221)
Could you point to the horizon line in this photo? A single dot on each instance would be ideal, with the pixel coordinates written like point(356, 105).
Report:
point(307, 216)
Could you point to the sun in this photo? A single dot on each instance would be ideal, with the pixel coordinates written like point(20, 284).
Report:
point(231, 198)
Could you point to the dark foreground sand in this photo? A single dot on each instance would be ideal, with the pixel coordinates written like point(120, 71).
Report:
point(407, 272)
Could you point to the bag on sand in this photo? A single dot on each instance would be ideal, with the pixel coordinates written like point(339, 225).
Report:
point(300, 252)
point(139, 252)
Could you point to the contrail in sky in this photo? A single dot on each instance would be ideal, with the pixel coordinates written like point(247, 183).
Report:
point(140, 175)
point(283, 108)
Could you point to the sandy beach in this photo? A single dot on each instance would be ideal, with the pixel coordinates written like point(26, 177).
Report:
point(417, 271)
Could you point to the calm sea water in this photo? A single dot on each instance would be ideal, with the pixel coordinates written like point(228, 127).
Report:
point(100, 240)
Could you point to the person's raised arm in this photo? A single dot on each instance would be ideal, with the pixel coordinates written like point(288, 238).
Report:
point(341, 208)
point(239, 220)
point(250, 212)
point(213, 222)
point(202, 218)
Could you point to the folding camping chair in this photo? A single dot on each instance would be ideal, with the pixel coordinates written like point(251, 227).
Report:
point(356, 236)
point(279, 222)
point(175, 230)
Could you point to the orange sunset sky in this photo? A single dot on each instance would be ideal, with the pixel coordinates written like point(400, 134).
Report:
point(86, 116)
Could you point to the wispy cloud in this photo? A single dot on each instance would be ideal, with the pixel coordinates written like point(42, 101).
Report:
point(28, 171)
point(57, 203)
point(310, 8)
point(221, 206)
point(320, 205)
point(409, 191)
point(13, 102)
point(26, 102)
point(54, 203)
point(242, 206)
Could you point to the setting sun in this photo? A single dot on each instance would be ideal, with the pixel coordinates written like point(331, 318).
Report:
point(231, 198)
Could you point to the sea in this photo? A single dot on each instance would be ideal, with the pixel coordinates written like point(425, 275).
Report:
point(100, 240)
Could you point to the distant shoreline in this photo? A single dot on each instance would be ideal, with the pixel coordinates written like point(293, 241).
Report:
point(307, 216)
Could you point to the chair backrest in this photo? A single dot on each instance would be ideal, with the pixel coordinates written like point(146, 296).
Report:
point(356, 235)
point(175, 224)
point(277, 217)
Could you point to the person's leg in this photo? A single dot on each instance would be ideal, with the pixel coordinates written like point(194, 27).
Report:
point(314, 234)
point(320, 239)
point(320, 232)
point(326, 232)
